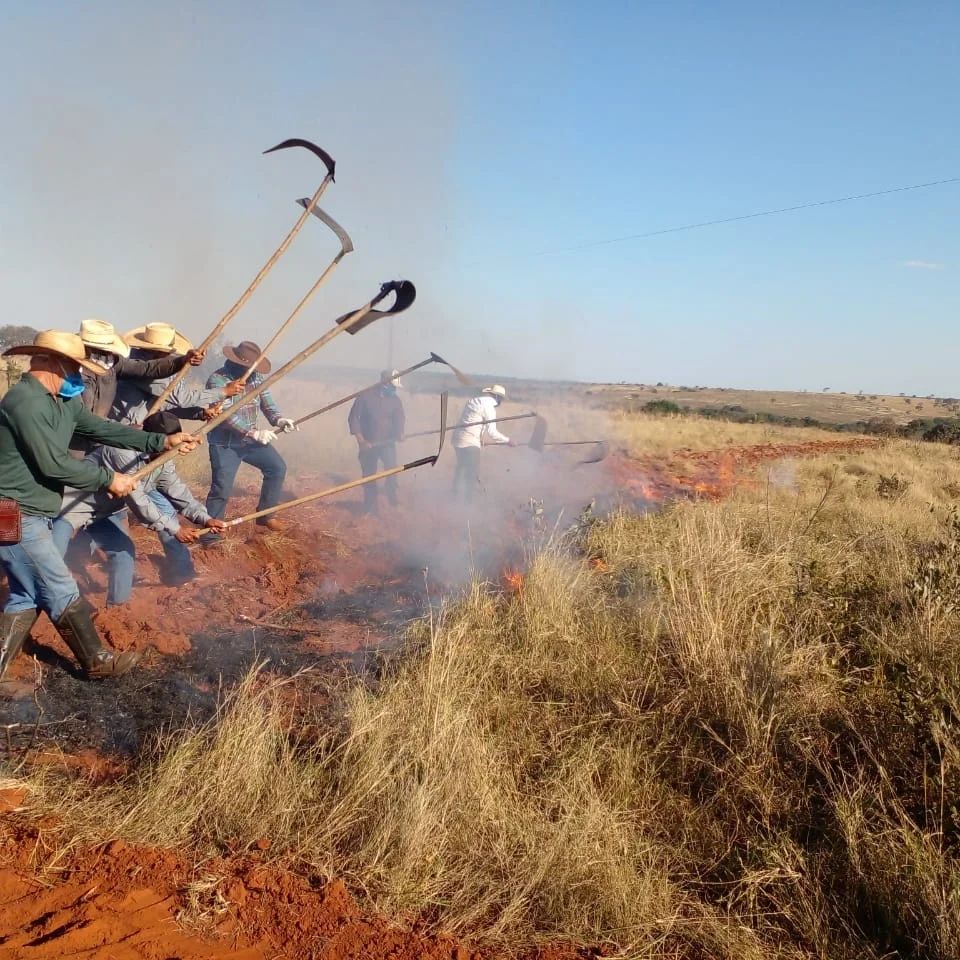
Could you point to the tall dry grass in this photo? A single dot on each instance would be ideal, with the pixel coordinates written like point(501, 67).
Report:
point(724, 730)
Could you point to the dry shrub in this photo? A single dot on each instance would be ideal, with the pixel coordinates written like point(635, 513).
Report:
point(735, 737)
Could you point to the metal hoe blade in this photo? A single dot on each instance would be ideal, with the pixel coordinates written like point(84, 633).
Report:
point(346, 244)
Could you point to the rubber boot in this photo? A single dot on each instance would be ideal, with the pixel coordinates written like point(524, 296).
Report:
point(14, 630)
point(78, 630)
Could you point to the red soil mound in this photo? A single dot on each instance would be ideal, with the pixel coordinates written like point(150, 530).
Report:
point(123, 902)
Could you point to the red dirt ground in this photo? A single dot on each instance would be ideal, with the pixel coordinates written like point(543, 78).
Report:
point(126, 903)
point(122, 902)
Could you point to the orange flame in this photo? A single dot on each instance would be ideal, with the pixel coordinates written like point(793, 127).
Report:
point(513, 581)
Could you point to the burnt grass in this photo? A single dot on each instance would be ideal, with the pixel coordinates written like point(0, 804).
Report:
point(119, 717)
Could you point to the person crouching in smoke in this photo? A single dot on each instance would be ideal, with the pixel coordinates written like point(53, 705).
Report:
point(477, 426)
point(377, 423)
point(104, 519)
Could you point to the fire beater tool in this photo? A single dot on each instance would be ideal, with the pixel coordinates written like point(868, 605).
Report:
point(330, 164)
point(404, 293)
point(330, 491)
point(483, 423)
point(346, 246)
point(433, 358)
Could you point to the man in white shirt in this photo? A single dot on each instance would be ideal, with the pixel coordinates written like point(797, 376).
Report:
point(477, 426)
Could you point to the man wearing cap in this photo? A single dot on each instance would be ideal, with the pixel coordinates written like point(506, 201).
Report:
point(104, 518)
point(135, 395)
point(477, 426)
point(377, 423)
point(240, 439)
point(38, 418)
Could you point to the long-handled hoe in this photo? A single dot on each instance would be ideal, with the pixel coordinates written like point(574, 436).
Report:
point(353, 484)
point(433, 358)
point(483, 423)
point(330, 164)
point(346, 246)
point(404, 294)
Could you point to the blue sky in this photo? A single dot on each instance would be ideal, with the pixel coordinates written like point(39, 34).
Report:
point(475, 140)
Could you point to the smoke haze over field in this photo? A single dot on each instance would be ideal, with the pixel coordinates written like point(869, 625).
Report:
point(473, 141)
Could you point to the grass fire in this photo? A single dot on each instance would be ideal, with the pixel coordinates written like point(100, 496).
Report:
point(320, 644)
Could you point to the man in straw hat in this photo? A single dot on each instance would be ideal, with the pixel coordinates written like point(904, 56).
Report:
point(241, 439)
point(104, 518)
point(477, 426)
point(107, 350)
point(377, 422)
point(135, 395)
point(38, 419)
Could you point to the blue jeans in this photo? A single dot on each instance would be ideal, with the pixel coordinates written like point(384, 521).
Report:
point(178, 556)
point(385, 453)
point(36, 573)
point(225, 462)
point(111, 536)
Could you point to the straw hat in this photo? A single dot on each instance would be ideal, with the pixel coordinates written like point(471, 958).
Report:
point(158, 337)
point(496, 391)
point(100, 335)
point(246, 353)
point(59, 344)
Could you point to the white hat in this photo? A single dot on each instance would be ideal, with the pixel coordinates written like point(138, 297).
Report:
point(390, 376)
point(159, 337)
point(496, 391)
point(60, 344)
point(100, 335)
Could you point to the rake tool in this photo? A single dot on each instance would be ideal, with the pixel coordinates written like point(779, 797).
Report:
point(433, 358)
point(340, 488)
point(404, 294)
point(346, 246)
point(330, 164)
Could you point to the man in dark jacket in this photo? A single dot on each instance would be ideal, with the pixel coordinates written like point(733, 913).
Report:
point(377, 422)
point(107, 349)
point(38, 419)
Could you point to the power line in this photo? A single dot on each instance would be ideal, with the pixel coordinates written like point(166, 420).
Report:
point(745, 216)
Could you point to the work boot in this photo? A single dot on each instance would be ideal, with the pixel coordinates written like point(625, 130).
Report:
point(79, 632)
point(14, 630)
point(272, 523)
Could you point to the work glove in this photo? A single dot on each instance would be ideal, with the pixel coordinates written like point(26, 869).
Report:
point(286, 425)
point(262, 436)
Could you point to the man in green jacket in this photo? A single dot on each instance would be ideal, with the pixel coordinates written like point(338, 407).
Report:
point(38, 419)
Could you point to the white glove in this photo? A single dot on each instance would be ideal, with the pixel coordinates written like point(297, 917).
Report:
point(263, 436)
point(286, 425)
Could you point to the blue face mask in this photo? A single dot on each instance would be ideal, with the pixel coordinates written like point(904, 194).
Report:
point(72, 386)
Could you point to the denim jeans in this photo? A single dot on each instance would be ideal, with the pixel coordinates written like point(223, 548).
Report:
point(36, 572)
point(387, 454)
point(178, 556)
point(225, 462)
point(111, 535)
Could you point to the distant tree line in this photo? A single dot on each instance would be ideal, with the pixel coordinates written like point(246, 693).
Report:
point(931, 429)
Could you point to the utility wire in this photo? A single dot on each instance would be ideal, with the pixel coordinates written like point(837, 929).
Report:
point(745, 216)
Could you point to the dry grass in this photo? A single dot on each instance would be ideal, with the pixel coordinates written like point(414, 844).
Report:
point(735, 737)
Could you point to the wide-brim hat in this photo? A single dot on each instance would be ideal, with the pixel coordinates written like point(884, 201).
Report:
point(60, 344)
point(495, 391)
point(247, 354)
point(158, 337)
point(100, 335)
